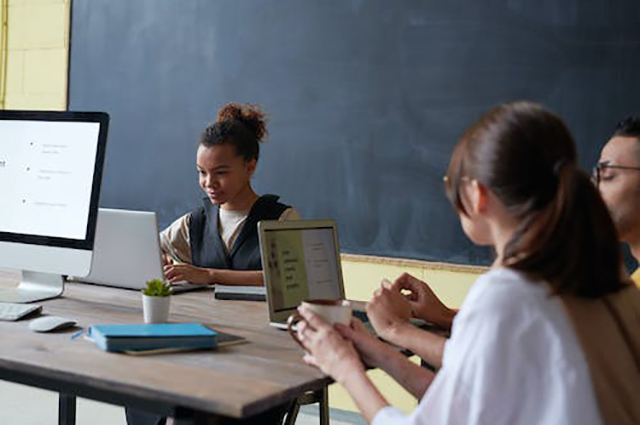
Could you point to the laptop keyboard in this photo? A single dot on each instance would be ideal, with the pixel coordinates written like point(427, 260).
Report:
point(13, 311)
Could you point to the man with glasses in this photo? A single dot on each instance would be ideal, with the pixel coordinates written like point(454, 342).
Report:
point(617, 175)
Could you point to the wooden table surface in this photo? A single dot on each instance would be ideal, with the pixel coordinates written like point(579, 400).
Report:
point(235, 381)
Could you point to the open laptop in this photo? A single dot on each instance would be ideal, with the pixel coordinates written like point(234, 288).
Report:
point(301, 260)
point(126, 251)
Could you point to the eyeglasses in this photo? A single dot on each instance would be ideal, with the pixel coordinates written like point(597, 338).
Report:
point(596, 173)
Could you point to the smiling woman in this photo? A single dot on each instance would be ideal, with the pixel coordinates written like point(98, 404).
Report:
point(218, 242)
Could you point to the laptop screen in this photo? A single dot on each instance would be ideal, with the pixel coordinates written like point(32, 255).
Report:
point(301, 264)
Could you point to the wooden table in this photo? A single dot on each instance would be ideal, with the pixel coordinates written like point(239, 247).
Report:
point(236, 381)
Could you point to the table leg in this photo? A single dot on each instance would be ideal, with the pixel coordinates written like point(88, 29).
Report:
point(66, 409)
point(183, 417)
point(292, 414)
point(323, 406)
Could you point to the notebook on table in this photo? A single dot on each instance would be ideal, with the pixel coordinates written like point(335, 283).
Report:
point(143, 338)
point(126, 251)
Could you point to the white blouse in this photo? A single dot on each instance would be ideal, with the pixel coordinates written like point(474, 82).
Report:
point(513, 358)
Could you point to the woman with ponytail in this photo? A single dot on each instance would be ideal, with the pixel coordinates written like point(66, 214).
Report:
point(550, 334)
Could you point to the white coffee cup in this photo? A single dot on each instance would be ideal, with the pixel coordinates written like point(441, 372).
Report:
point(331, 311)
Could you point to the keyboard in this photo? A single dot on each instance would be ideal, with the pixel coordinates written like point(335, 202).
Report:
point(10, 311)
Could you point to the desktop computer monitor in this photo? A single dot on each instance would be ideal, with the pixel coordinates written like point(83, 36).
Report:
point(50, 173)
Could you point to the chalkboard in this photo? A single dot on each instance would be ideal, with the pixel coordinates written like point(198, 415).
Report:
point(366, 98)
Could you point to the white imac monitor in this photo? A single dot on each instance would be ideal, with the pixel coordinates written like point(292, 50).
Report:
point(50, 173)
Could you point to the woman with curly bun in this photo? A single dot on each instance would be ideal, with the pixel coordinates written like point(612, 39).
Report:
point(218, 242)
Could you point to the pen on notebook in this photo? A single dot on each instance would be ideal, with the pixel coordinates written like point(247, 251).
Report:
point(77, 334)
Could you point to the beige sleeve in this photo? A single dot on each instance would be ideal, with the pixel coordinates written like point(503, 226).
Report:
point(289, 214)
point(174, 240)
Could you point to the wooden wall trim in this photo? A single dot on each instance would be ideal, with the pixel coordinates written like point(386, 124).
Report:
point(405, 262)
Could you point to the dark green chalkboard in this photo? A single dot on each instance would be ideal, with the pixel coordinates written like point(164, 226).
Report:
point(366, 97)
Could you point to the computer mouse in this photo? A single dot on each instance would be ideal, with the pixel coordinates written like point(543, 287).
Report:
point(50, 323)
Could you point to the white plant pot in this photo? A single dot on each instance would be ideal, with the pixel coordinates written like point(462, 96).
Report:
point(155, 309)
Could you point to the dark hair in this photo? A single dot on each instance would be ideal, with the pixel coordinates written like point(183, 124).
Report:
point(526, 156)
point(242, 126)
point(628, 127)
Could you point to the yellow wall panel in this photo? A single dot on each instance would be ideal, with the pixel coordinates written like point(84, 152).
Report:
point(450, 286)
point(41, 102)
point(38, 26)
point(15, 72)
point(362, 279)
point(363, 274)
point(16, 2)
point(45, 72)
point(37, 57)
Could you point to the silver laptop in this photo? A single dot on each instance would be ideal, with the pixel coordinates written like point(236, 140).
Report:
point(301, 260)
point(126, 251)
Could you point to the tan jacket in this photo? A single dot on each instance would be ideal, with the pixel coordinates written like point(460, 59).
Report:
point(609, 332)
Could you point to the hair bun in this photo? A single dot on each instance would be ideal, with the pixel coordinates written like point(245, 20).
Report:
point(251, 115)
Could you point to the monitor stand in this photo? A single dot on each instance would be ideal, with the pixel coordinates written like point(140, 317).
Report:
point(34, 286)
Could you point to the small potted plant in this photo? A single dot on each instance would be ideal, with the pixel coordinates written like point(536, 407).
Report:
point(156, 297)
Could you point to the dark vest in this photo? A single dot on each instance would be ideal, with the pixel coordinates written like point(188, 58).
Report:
point(207, 247)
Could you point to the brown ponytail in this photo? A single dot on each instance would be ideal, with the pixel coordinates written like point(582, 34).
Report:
point(571, 243)
point(527, 157)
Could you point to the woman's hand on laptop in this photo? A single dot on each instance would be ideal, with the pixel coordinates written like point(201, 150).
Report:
point(186, 272)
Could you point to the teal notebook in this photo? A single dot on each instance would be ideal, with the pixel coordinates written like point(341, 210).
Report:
point(136, 337)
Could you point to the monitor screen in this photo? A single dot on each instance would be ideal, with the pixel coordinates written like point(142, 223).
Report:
point(48, 165)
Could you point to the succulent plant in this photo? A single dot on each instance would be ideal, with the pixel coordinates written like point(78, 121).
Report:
point(157, 288)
